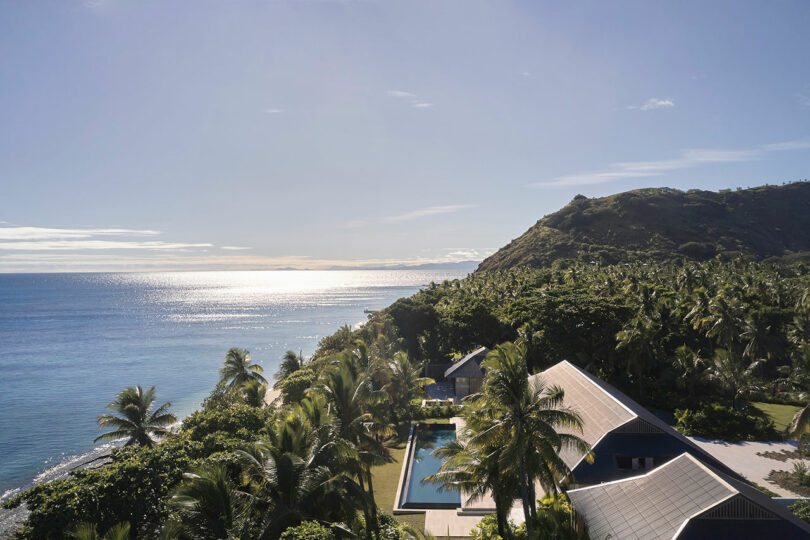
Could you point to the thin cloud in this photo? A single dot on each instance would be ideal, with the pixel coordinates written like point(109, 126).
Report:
point(44, 233)
point(411, 98)
point(23, 238)
point(274, 111)
point(400, 94)
point(687, 160)
point(234, 248)
point(79, 245)
point(652, 104)
point(429, 211)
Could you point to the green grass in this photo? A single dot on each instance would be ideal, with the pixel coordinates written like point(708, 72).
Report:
point(780, 414)
point(386, 478)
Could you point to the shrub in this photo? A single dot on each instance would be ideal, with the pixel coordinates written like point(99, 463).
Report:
point(801, 473)
point(717, 421)
point(308, 530)
point(439, 411)
point(295, 386)
point(132, 488)
point(487, 529)
point(238, 420)
point(801, 508)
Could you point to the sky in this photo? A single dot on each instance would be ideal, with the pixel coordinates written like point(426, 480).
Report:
point(203, 134)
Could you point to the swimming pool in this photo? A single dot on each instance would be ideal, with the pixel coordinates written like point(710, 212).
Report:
point(421, 463)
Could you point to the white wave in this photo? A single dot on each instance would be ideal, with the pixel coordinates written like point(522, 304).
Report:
point(9, 493)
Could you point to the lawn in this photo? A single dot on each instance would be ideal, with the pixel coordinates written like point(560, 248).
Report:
point(780, 414)
point(386, 478)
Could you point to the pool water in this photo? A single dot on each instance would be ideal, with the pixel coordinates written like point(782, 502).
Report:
point(419, 494)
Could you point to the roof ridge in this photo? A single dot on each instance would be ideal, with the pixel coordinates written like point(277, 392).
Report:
point(463, 360)
point(599, 386)
point(708, 470)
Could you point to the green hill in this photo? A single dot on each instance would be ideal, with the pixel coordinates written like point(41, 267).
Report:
point(663, 223)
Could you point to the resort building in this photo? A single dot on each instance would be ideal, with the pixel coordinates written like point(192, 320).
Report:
point(626, 439)
point(466, 374)
point(684, 499)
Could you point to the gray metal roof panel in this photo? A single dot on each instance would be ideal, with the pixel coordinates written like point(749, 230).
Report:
point(604, 408)
point(659, 503)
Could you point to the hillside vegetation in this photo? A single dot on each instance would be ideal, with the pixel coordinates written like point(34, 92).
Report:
point(765, 222)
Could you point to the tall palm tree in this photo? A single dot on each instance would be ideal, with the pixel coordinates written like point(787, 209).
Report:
point(733, 375)
point(800, 425)
point(689, 365)
point(210, 506)
point(406, 382)
point(290, 363)
point(134, 419)
point(475, 471)
point(525, 417)
point(238, 370)
point(296, 475)
point(350, 396)
point(254, 392)
point(89, 531)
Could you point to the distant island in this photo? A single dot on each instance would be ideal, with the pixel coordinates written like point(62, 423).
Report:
point(766, 222)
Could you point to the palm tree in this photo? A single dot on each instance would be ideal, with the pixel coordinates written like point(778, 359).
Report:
point(238, 370)
point(254, 392)
point(733, 375)
point(688, 364)
point(476, 471)
point(405, 383)
point(523, 416)
point(723, 322)
point(350, 396)
point(800, 425)
point(554, 519)
point(296, 475)
point(89, 531)
point(210, 506)
point(134, 419)
point(290, 363)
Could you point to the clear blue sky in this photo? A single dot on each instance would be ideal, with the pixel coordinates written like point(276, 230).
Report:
point(154, 134)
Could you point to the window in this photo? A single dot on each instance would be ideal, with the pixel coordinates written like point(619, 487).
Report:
point(634, 463)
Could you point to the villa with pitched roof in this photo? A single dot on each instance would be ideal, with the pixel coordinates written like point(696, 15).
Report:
point(626, 439)
point(466, 374)
point(684, 499)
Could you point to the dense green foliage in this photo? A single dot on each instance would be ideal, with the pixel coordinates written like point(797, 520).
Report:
point(672, 335)
point(132, 488)
point(662, 223)
point(716, 421)
point(308, 530)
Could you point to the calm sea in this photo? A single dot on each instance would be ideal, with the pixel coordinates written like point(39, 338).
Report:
point(70, 342)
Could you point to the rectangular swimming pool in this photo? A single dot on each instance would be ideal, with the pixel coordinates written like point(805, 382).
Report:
point(421, 463)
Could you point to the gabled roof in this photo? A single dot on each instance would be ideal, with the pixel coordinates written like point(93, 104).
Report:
point(604, 408)
point(469, 366)
point(660, 503)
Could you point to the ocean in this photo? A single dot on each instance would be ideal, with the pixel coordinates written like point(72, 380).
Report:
point(70, 342)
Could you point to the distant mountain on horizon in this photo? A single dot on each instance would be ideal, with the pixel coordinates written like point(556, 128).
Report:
point(461, 265)
point(766, 222)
